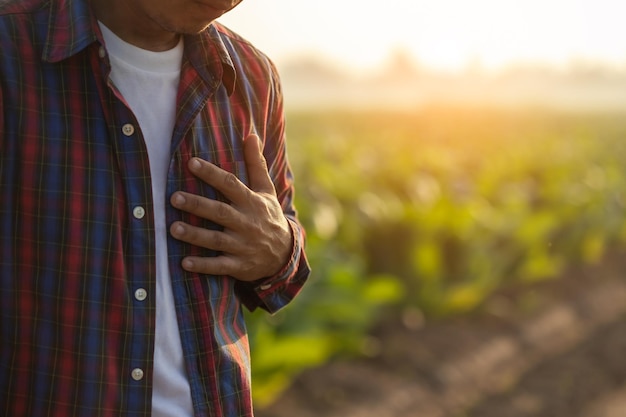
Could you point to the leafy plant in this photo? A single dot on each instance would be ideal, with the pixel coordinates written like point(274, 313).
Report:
point(435, 210)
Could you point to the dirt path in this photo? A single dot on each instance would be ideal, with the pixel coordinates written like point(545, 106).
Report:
point(566, 359)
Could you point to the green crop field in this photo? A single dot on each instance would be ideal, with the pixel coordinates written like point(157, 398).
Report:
point(433, 211)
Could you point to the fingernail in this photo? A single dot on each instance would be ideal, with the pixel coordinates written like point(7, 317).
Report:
point(179, 200)
point(258, 141)
point(194, 164)
point(178, 230)
point(187, 264)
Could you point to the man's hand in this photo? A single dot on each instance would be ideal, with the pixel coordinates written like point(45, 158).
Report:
point(256, 241)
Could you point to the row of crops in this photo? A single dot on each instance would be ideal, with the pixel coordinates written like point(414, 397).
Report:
point(432, 211)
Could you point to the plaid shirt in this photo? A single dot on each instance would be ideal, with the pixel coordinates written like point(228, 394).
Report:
point(77, 238)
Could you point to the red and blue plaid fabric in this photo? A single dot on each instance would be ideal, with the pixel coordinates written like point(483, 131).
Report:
point(73, 249)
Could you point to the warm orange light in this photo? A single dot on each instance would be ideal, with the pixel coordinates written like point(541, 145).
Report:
point(444, 34)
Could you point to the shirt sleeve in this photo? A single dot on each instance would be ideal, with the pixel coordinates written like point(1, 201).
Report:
point(275, 292)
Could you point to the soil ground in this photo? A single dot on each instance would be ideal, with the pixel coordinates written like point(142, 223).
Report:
point(554, 349)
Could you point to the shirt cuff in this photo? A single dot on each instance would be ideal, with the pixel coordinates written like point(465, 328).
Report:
point(275, 292)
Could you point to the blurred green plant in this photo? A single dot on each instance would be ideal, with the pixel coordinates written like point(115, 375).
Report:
point(435, 210)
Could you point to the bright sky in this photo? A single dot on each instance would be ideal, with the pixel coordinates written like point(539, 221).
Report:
point(445, 34)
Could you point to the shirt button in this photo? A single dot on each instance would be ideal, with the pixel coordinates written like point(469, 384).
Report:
point(128, 129)
point(139, 212)
point(141, 294)
point(265, 287)
point(102, 52)
point(137, 374)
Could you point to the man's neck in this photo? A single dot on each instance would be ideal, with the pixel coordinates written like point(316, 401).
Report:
point(133, 26)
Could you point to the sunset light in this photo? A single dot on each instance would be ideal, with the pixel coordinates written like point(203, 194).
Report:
point(461, 180)
point(443, 34)
point(403, 53)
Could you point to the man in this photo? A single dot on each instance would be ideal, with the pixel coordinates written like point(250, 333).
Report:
point(145, 195)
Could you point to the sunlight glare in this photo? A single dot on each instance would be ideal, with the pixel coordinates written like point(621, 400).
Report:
point(444, 34)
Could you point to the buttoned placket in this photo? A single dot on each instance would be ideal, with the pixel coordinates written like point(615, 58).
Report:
point(138, 193)
point(132, 143)
point(135, 174)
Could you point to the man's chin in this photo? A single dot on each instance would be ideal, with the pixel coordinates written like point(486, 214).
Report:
point(188, 28)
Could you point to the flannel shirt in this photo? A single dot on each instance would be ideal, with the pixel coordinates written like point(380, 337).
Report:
point(77, 238)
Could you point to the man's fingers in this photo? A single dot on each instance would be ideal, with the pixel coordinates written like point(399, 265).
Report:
point(209, 239)
point(228, 183)
point(225, 182)
point(258, 173)
point(255, 240)
point(219, 265)
point(213, 210)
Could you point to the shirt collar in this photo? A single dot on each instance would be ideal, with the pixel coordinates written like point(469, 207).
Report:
point(72, 27)
point(208, 54)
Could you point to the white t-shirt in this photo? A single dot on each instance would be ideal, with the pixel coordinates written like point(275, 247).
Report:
point(149, 82)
